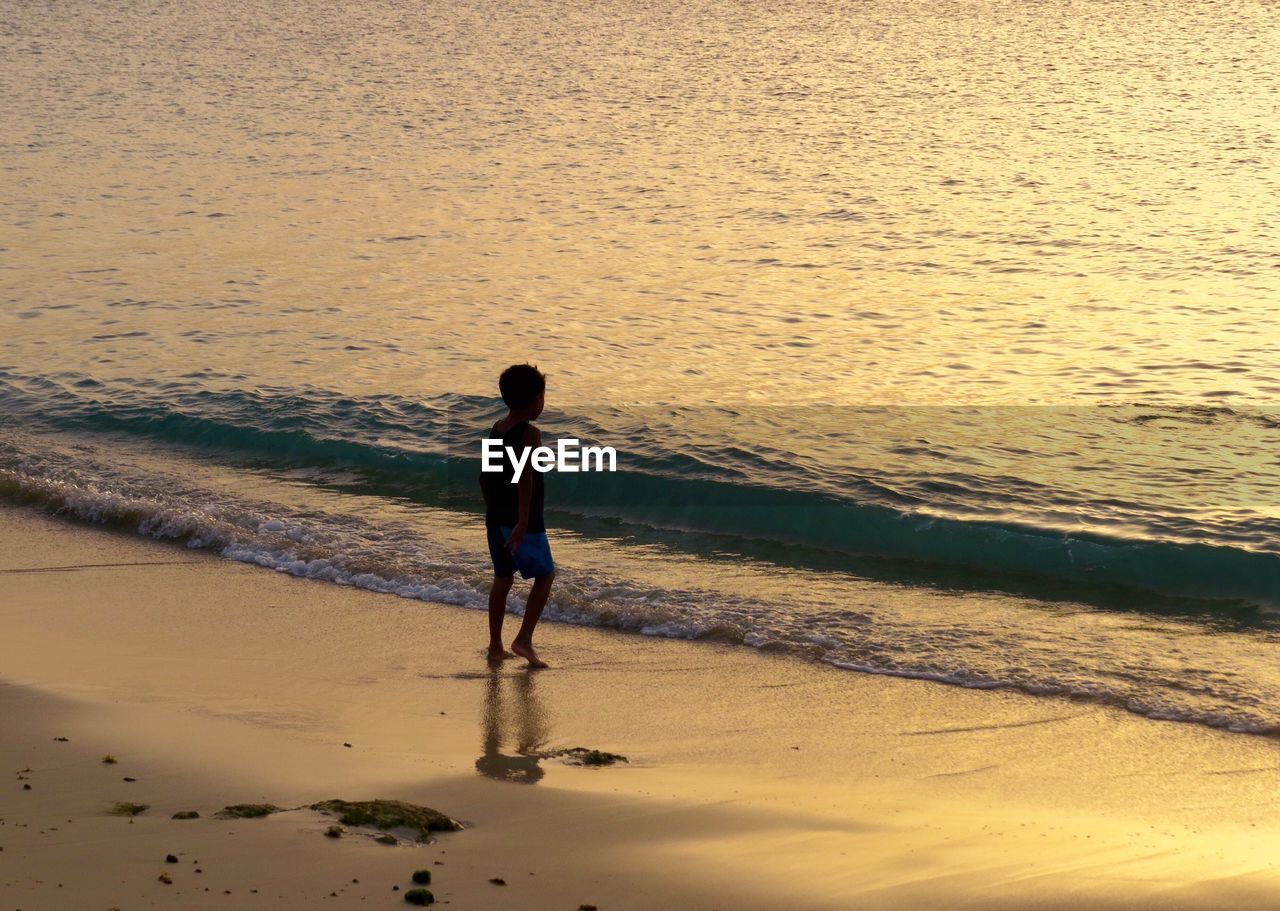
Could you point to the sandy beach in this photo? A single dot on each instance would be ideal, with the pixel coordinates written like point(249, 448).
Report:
point(752, 781)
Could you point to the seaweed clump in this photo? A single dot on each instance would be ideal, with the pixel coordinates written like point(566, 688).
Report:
point(247, 811)
point(129, 809)
point(389, 814)
point(583, 756)
point(419, 897)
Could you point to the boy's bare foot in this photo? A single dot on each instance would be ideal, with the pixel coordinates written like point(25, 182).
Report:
point(498, 653)
point(526, 652)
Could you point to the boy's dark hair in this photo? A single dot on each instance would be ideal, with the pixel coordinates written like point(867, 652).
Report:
point(520, 384)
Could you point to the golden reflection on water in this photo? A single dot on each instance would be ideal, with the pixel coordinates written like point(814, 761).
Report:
point(883, 202)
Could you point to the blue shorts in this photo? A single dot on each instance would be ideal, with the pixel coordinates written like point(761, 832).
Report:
point(533, 559)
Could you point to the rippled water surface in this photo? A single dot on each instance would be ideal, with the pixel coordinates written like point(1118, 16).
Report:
point(937, 338)
point(885, 201)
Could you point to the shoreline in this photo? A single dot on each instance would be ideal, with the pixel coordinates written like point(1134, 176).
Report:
point(223, 683)
point(1101, 645)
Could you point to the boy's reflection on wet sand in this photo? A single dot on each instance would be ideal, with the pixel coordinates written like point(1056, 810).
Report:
point(512, 713)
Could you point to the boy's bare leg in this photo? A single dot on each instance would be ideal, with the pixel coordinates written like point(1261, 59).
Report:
point(497, 610)
point(522, 645)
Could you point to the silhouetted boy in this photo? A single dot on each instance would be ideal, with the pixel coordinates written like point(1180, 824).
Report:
point(513, 514)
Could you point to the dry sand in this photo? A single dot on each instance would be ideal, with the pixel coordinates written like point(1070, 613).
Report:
point(754, 781)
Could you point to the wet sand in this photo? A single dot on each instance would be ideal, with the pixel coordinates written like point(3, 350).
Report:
point(753, 782)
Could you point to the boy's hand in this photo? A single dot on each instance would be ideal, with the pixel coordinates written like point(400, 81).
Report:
point(517, 535)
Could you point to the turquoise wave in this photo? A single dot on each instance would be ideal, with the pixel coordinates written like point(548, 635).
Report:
point(428, 451)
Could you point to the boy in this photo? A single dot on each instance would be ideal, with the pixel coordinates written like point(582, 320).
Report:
point(513, 514)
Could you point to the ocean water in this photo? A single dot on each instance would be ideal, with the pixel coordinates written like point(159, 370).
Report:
point(936, 339)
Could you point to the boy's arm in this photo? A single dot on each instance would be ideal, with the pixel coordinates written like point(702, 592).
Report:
point(532, 438)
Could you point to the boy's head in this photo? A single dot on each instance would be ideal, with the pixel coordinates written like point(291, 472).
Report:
point(522, 385)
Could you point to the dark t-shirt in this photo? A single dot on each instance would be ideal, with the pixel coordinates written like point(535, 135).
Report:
point(501, 497)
